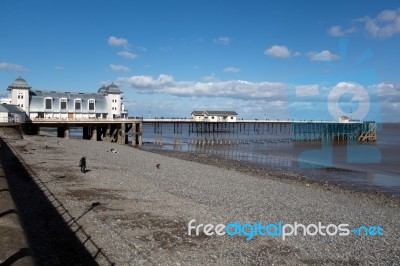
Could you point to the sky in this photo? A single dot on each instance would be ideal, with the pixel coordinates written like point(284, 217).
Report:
point(313, 60)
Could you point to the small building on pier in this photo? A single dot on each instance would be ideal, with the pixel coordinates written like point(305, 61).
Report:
point(346, 119)
point(214, 116)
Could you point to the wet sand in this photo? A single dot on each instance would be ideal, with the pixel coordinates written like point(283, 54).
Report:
point(137, 213)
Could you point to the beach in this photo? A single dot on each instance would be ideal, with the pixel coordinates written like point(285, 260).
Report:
point(132, 207)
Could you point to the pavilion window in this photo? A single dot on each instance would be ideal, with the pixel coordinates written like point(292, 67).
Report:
point(63, 104)
point(78, 105)
point(91, 104)
point(48, 103)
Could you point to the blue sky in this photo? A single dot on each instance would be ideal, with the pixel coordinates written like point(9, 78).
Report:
point(263, 59)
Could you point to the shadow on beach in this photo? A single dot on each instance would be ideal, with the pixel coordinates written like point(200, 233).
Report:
point(51, 231)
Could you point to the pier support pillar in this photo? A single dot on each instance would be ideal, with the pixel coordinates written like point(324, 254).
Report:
point(108, 133)
point(66, 132)
point(140, 134)
point(121, 134)
point(134, 136)
point(137, 134)
point(94, 133)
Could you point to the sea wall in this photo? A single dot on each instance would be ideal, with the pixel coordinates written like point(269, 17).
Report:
point(10, 131)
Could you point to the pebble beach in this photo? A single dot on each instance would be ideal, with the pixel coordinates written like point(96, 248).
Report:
point(132, 207)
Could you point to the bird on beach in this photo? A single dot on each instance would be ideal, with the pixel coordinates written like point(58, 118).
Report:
point(158, 166)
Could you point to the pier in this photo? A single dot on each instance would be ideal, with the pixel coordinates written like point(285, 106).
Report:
point(208, 133)
point(109, 130)
point(261, 131)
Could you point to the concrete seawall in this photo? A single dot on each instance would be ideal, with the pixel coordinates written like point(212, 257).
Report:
point(35, 232)
point(10, 131)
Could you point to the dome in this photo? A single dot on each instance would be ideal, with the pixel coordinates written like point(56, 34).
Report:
point(20, 83)
point(103, 89)
point(113, 89)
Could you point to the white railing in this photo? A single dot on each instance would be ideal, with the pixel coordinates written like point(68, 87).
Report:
point(238, 120)
point(139, 119)
point(10, 120)
point(285, 121)
point(167, 120)
point(36, 119)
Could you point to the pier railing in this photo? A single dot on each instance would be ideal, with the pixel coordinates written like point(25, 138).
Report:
point(94, 120)
point(8, 120)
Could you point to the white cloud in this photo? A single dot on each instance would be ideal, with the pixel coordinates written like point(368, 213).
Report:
point(389, 99)
point(12, 67)
point(389, 93)
point(278, 51)
point(119, 68)
point(264, 99)
point(385, 25)
point(58, 68)
point(338, 31)
point(222, 40)
point(324, 55)
point(231, 70)
point(237, 89)
point(127, 54)
point(114, 41)
point(307, 90)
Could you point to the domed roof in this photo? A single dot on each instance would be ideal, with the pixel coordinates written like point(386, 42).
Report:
point(20, 83)
point(113, 89)
point(103, 89)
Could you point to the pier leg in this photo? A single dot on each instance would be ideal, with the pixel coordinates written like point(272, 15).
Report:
point(121, 134)
point(139, 134)
point(108, 133)
point(134, 141)
point(94, 133)
point(66, 132)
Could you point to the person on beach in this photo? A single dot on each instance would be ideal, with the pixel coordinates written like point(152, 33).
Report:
point(82, 164)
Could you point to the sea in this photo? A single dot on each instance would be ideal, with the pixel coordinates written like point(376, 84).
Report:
point(372, 166)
